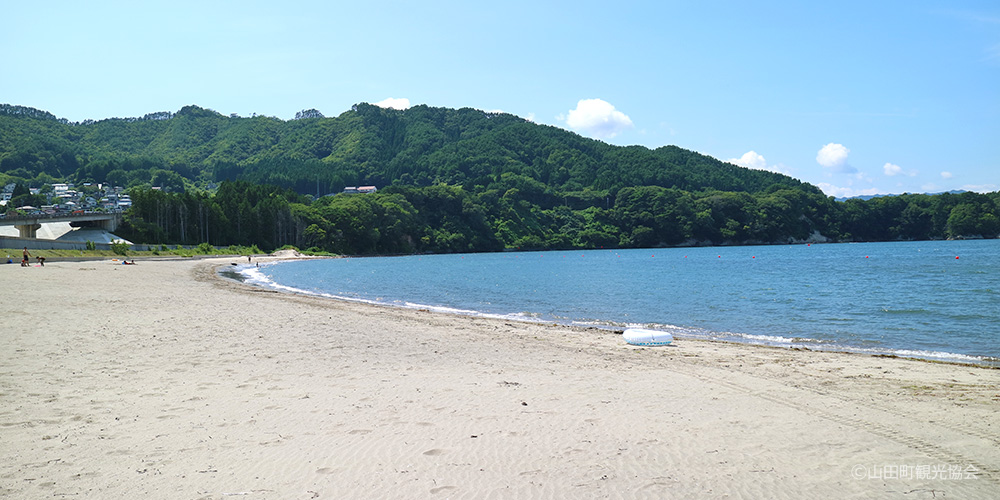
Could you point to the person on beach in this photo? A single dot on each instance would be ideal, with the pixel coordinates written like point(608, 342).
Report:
point(41, 260)
point(24, 258)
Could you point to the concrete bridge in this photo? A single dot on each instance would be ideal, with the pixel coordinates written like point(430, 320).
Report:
point(28, 225)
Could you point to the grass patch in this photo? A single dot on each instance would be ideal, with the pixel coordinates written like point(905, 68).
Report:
point(156, 251)
point(15, 253)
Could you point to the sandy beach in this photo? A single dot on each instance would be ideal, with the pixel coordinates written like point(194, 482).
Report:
point(162, 380)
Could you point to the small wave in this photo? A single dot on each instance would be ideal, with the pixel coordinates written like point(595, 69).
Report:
point(255, 276)
point(932, 355)
point(600, 324)
point(938, 355)
point(905, 311)
point(780, 339)
point(443, 309)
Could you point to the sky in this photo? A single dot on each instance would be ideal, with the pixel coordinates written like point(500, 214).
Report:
point(856, 97)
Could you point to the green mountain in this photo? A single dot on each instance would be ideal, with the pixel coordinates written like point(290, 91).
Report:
point(449, 180)
point(369, 145)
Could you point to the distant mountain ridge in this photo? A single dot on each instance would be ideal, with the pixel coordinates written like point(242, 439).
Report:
point(867, 197)
point(365, 145)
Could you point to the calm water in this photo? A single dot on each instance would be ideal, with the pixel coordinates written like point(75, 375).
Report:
point(910, 299)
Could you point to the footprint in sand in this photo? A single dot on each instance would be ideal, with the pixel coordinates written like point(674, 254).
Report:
point(435, 452)
point(441, 489)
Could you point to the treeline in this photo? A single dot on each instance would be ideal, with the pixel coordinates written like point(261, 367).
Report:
point(397, 220)
point(511, 214)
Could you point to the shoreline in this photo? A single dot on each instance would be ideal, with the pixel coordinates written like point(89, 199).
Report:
point(927, 356)
point(165, 380)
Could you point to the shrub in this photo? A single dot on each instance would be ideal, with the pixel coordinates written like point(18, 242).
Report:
point(91, 245)
point(120, 247)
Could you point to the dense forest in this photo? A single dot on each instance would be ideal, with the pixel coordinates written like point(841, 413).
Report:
point(448, 181)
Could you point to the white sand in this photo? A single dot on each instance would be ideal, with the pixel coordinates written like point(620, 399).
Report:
point(163, 381)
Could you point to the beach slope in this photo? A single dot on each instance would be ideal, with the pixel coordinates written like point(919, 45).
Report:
point(162, 380)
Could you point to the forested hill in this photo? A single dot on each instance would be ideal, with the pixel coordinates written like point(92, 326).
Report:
point(448, 181)
point(367, 145)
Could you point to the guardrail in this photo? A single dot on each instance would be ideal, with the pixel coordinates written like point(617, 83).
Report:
point(59, 215)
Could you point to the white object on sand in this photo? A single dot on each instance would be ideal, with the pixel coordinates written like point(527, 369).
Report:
point(639, 336)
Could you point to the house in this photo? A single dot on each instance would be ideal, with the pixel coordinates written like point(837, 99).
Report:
point(360, 189)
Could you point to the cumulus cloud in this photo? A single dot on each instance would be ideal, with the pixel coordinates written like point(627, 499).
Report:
point(756, 161)
point(947, 175)
point(834, 157)
point(750, 159)
point(597, 118)
point(394, 103)
point(892, 170)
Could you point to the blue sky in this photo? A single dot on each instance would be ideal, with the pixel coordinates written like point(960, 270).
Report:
point(856, 97)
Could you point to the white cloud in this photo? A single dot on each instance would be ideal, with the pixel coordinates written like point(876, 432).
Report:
point(947, 175)
point(597, 118)
point(845, 192)
point(750, 159)
point(394, 103)
point(981, 188)
point(834, 157)
point(756, 161)
point(892, 170)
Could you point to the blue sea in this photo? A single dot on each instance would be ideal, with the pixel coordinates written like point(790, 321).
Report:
point(934, 300)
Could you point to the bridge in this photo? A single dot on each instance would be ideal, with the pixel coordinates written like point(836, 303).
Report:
point(28, 225)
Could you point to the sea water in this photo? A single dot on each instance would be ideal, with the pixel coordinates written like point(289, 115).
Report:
point(935, 300)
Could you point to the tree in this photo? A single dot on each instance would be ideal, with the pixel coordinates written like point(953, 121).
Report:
point(971, 219)
point(308, 113)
